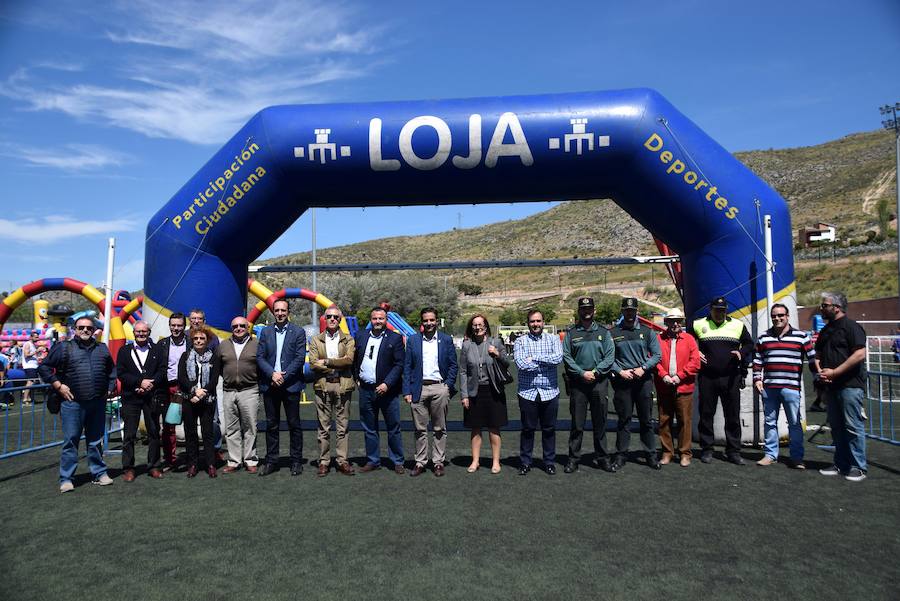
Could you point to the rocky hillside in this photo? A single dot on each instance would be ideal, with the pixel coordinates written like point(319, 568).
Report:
point(839, 182)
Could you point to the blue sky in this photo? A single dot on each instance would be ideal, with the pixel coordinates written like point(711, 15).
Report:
point(108, 108)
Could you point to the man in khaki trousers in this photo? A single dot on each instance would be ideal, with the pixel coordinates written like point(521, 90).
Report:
point(236, 358)
point(331, 358)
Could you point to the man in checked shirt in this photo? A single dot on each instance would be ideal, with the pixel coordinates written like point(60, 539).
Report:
point(538, 354)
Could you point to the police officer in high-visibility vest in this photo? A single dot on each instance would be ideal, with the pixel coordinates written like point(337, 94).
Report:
point(726, 349)
point(637, 353)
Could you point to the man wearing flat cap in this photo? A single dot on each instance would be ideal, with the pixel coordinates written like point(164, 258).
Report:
point(588, 355)
point(636, 355)
point(725, 352)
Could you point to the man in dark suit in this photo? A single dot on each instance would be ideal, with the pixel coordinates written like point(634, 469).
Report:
point(280, 356)
point(378, 369)
point(429, 381)
point(141, 370)
point(170, 350)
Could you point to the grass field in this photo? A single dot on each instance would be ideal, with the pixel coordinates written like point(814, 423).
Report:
point(706, 532)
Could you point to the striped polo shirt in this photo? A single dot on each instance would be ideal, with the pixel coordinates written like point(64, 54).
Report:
point(781, 358)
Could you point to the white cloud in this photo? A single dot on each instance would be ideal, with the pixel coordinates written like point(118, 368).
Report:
point(129, 275)
point(72, 157)
point(60, 228)
point(190, 71)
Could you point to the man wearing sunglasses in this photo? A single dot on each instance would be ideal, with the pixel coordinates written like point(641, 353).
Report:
point(84, 378)
point(777, 372)
point(841, 355)
point(280, 357)
point(378, 369)
point(331, 355)
point(235, 360)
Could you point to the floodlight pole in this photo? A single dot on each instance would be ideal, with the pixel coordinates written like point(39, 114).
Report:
point(890, 122)
point(108, 289)
point(770, 266)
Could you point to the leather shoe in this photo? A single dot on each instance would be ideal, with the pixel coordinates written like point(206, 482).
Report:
point(399, 469)
point(666, 459)
point(439, 470)
point(369, 467)
point(523, 470)
point(128, 476)
point(417, 471)
point(191, 471)
point(155, 473)
point(296, 469)
point(220, 456)
point(653, 462)
point(230, 469)
point(211, 470)
point(345, 469)
point(168, 467)
point(606, 465)
point(252, 469)
point(735, 458)
point(619, 463)
point(685, 461)
point(323, 469)
point(706, 457)
point(267, 468)
point(570, 467)
point(550, 469)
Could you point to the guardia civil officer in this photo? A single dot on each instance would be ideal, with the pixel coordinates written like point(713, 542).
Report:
point(637, 353)
point(588, 355)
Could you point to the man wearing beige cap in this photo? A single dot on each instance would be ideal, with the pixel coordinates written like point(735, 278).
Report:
point(675, 375)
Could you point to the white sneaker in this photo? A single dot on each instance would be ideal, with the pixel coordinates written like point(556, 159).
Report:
point(855, 475)
point(830, 471)
point(66, 486)
point(103, 480)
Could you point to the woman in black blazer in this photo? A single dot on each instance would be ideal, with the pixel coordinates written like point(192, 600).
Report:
point(197, 377)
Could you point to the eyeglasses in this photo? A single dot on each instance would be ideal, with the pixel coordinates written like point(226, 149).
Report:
point(142, 332)
point(826, 305)
point(338, 317)
point(779, 315)
point(85, 328)
point(236, 326)
point(199, 338)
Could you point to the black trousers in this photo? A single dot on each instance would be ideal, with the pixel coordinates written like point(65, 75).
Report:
point(273, 399)
point(712, 389)
point(629, 395)
point(538, 414)
point(584, 395)
point(190, 413)
point(131, 413)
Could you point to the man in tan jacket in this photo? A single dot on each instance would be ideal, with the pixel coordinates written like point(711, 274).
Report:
point(331, 358)
point(236, 358)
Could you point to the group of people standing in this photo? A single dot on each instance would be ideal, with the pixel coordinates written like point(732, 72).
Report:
point(193, 370)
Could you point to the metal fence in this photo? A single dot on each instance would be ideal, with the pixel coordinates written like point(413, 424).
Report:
point(25, 428)
point(882, 396)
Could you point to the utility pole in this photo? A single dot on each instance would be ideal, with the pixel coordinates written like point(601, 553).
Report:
point(891, 122)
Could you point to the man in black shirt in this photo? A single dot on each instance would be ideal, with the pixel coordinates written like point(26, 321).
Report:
point(840, 355)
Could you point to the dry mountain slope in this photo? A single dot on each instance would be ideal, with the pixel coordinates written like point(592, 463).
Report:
point(828, 182)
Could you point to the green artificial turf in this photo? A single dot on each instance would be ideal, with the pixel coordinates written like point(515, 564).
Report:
point(706, 532)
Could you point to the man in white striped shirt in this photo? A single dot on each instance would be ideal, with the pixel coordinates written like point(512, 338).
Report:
point(777, 371)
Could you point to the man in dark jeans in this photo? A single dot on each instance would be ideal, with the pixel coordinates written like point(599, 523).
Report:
point(84, 378)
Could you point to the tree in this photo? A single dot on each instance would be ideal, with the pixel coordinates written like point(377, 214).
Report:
point(883, 210)
point(512, 317)
point(469, 289)
point(548, 311)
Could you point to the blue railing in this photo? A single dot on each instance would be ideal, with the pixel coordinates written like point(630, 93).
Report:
point(26, 428)
point(882, 394)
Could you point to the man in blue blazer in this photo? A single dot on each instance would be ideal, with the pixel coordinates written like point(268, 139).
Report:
point(280, 356)
point(378, 369)
point(429, 380)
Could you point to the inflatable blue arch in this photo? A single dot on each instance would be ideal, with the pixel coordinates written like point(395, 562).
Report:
point(630, 145)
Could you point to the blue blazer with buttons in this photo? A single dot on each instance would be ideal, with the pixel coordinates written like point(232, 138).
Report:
point(388, 364)
point(293, 357)
point(412, 368)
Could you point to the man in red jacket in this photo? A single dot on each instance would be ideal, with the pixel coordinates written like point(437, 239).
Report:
point(675, 386)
